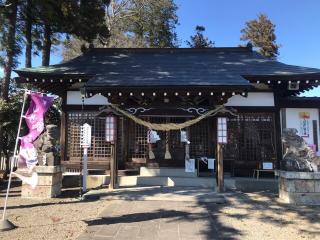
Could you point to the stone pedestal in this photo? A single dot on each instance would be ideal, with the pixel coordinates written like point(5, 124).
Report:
point(49, 183)
point(302, 188)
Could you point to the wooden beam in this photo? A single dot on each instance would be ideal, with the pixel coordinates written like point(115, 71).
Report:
point(220, 179)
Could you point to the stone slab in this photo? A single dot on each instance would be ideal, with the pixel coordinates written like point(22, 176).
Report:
point(156, 220)
point(49, 183)
point(50, 169)
point(165, 172)
point(180, 194)
point(304, 186)
point(46, 180)
point(41, 192)
point(300, 198)
point(287, 185)
point(317, 186)
point(299, 175)
point(302, 190)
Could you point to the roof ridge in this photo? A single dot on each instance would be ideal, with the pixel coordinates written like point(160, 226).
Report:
point(172, 50)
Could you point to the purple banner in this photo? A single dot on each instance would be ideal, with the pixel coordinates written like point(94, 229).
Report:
point(34, 118)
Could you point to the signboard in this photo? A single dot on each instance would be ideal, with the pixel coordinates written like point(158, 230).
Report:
point(211, 163)
point(85, 135)
point(267, 165)
point(304, 124)
point(190, 165)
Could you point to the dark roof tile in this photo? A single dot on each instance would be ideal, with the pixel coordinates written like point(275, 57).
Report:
point(174, 67)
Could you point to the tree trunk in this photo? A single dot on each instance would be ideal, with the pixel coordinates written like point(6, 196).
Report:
point(46, 47)
point(7, 161)
point(10, 52)
point(28, 35)
point(10, 47)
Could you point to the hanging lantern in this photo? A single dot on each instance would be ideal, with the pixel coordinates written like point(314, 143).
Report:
point(110, 128)
point(222, 130)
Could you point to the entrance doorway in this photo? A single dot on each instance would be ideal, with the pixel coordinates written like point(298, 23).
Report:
point(201, 136)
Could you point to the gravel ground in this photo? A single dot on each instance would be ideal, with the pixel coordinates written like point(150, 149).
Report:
point(244, 216)
point(62, 218)
point(262, 216)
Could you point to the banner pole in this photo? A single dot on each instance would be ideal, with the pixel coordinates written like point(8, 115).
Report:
point(85, 169)
point(13, 160)
point(81, 154)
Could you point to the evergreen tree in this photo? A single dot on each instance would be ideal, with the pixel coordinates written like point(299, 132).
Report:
point(261, 34)
point(27, 16)
point(199, 40)
point(83, 19)
point(9, 49)
point(155, 22)
point(8, 43)
point(134, 24)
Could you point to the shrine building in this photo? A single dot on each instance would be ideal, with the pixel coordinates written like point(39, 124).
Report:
point(256, 96)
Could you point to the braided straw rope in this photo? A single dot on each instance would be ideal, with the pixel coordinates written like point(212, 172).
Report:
point(170, 126)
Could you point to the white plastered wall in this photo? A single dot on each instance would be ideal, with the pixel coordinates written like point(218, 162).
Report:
point(293, 121)
point(253, 99)
point(74, 98)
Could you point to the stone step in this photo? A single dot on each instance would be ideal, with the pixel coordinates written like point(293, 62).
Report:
point(94, 181)
point(165, 172)
point(126, 181)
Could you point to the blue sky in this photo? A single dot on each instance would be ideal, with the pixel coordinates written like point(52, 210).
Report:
point(297, 26)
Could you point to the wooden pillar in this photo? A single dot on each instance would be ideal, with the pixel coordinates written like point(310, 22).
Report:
point(113, 161)
point(63, 132)
point(220, 177)
point(278, 130)
point(63, 128)
point(113, 168)
point(278, 140)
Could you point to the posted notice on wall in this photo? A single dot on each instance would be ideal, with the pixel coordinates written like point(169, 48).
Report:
point(211, 163)
point(190, 165)
point(267, 165)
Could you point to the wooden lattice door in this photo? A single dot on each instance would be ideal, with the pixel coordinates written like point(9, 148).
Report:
point(201, 136)
point(251, 141)
point(99, 152)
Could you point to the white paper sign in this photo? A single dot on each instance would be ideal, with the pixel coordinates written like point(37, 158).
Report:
point(184, 137)
point(153, 136)
point(211, 163)
point(85, 135)
point(190, 165)
point(267, 165)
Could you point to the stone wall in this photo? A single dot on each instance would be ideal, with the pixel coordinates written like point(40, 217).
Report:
point(302, 188)
point(49, 183)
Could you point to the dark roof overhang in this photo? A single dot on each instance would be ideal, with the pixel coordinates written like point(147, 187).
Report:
point(299, 102)
point(281, 82)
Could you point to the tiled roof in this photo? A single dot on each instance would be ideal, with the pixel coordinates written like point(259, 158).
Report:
point(170, 67)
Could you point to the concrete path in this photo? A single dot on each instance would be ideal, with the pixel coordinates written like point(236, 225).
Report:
point(157, 213)
point(180, 194)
